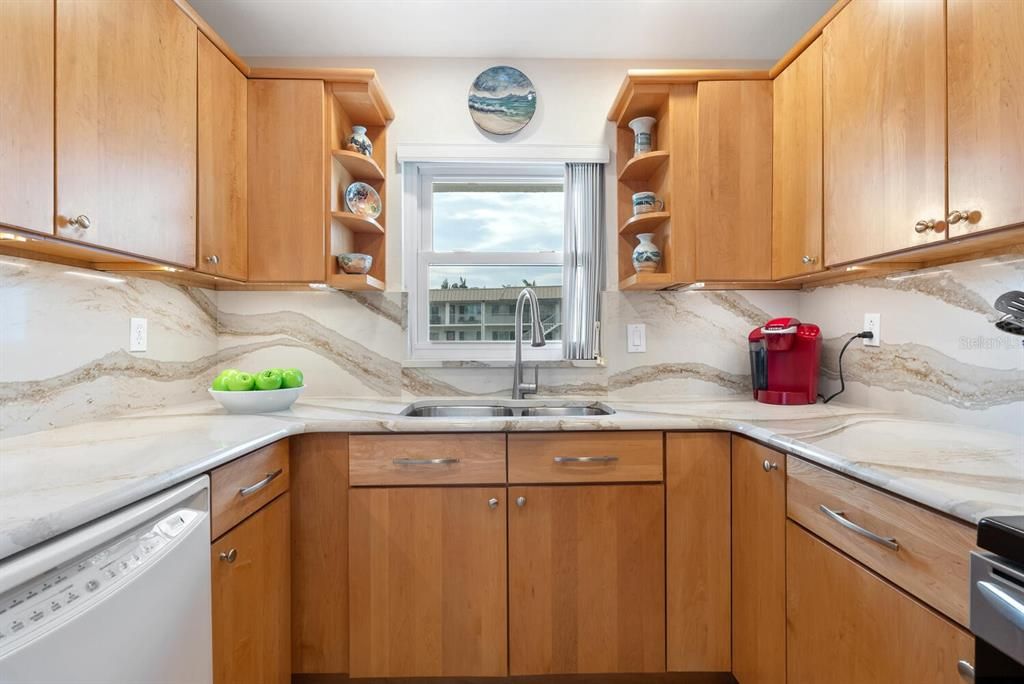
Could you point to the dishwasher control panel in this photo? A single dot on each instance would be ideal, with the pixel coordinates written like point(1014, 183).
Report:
point(62, 592)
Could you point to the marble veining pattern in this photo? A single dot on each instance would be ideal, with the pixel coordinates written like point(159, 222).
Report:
point(52, 481)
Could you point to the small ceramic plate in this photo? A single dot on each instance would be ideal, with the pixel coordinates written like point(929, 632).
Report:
point(257, 401)
point(363, 200)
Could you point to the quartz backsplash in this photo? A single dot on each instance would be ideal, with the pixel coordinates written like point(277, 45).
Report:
point(64, 333)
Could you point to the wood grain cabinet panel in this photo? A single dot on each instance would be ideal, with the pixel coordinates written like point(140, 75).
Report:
point(586, 579)
point(126, 126)
point(847, 625)
point(796, 167)
point(758, 563)
point(251, 623)
point(541, 457)
point(698, 547)
point(319, 488)
point(26, 115)
point(933, 558)
point(427, 459)
point(286, 167)
point(222, 228)
point(986, 113)
point(884, 90)
point(427, 579)
point(734, 158)
point(240, 488)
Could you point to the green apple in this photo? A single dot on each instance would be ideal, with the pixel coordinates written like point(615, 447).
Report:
point(228, 371)
point(220, 384)
point(241, 382)
point(269, 379)
point(292, 377)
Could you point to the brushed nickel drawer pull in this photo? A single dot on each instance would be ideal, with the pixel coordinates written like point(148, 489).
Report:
point(840, 517)
point(424, 461)
point(253, 488)
point(966, 670)
point(586, 459)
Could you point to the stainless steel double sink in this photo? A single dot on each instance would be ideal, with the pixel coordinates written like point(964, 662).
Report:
point(502, 409)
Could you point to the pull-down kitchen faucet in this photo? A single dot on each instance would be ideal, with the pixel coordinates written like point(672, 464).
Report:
point(519, 388)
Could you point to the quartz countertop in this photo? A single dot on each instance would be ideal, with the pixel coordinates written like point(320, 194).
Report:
point(55, 480)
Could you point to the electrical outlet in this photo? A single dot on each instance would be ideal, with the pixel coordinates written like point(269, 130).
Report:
point(138, 336)
point(873, 322)
point(636, 337)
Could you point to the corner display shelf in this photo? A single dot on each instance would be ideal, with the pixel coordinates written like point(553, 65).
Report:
point(644, 223)
point(356, 102)
point(643, 166)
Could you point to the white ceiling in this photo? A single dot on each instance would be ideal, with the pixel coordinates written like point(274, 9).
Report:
point(744, 30)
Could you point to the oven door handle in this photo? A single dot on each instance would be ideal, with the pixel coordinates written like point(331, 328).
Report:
point(1004, 603)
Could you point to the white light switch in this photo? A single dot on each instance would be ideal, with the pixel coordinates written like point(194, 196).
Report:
point(138, 336)
point(636, 337)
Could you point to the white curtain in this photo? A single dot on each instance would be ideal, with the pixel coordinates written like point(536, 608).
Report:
point(584, 259)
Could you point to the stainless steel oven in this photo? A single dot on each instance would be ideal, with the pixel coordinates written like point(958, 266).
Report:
point(997, 601)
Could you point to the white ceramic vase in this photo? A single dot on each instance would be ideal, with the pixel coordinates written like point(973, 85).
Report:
point(643, 140)
point(646, 255)
point(358, 142)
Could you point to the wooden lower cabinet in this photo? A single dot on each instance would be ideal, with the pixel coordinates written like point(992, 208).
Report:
point(847, 625)
point(250, 574)
point(699, 552)
point(758, 563)
point(427, 578)
point(586, 579)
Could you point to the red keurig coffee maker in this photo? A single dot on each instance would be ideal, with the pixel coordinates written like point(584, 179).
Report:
point(784, 356)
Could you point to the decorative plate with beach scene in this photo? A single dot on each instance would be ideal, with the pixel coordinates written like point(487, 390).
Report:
point(362, 200)
point(502, 100)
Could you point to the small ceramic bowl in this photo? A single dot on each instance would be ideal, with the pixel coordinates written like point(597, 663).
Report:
point(355, 262)
point(257, 402)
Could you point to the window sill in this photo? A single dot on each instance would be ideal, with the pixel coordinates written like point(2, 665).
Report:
point(501, 363)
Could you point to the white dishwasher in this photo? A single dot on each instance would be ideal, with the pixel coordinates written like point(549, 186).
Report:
point(123, 600)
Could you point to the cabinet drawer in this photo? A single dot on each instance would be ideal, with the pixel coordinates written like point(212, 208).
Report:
point(426, 459)
point(585, 457)
point(922, 552)
point(242, 487)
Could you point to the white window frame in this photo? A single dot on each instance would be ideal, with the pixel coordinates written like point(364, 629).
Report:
point(419, 255)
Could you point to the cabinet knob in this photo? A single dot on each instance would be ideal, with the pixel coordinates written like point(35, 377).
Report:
point(229, 556)
point(213, 259)
point(520, 501)
point(968, 215)
point(492, 503)
point(81, 221)
point(808, 259)
point(924, 225)
point(769, 466)
point(966, 670)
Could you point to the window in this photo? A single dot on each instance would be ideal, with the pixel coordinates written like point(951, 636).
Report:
point(482, 233)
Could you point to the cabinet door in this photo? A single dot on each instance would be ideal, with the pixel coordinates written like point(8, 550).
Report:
point(427, 582)
point(586, 579)
point(796, 167)
point(849, 626)
point(223, 232)
point(126, 126)
point(26, 114)
point(986, 113)
point(251, 602)
point(734, 161)
point(287, 196)
point(698, 547)
point(885, 127)
point(758, 563)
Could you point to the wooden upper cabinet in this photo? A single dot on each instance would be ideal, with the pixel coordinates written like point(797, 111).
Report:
point(884, 127)
point(758, 563)
point(796, 167)
point(586, 579)
point(986, 114)
point(26, 115)
point(222, 233)
point(847, 625)
point(427, 573)
point(126, 127)
point(734, 215)
point(286, 171)
point(251, 603)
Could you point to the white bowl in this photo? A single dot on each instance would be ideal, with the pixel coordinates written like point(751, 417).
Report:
point(257, 401)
